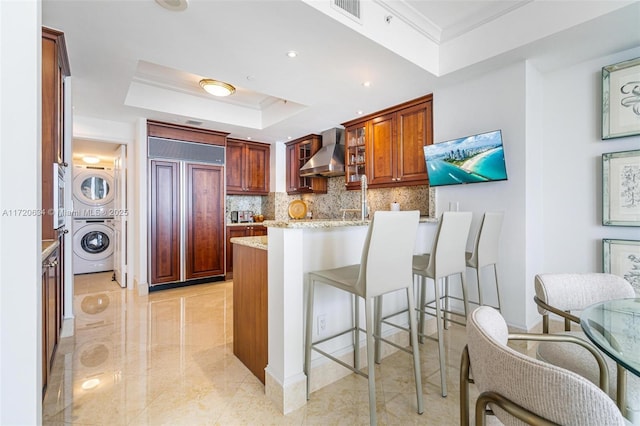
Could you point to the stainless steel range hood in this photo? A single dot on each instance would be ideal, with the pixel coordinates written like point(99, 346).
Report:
point(329, 160)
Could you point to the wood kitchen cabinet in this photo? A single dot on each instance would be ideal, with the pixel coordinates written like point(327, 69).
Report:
point(388, 145)
point(240, 231)
point(247, 167)
point(250, 308)
point(299, 151)
point(55, 67)
point(165, 222)
point(51, 311)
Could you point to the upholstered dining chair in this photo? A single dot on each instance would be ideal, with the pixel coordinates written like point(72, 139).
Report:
point(385, 267)
point(519, 389)
point(486, 251)
point(564, 294)
point(447, 258)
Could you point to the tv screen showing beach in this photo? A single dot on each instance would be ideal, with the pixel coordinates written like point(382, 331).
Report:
point(477, 158)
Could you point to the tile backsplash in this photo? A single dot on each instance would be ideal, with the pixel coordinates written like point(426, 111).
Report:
point(329, 205)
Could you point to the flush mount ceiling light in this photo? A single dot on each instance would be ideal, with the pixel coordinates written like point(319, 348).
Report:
point(217, 88)
point(90, 159)
point(173, 5)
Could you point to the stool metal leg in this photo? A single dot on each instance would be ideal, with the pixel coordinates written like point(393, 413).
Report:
point(479, 289)
point(495, 271)
point(378, 328)
point(463, 282)
point(423, 300)
point(441, 354)
point(414, 346)
point(369, 313)
point(356, 333)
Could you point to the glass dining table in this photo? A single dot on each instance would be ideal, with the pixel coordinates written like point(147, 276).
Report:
point(614, 327)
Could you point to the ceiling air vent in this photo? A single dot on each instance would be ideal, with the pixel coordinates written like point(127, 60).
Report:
point(351, 8)
point(194, 123)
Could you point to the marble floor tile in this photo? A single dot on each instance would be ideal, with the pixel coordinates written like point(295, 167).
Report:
point(167, 358)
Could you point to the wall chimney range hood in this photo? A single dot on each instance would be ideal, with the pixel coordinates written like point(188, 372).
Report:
point(329, 160)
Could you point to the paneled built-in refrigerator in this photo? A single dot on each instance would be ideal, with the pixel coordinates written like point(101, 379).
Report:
point(186, 212)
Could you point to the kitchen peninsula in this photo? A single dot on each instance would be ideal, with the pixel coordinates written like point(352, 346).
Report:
point(293, 249)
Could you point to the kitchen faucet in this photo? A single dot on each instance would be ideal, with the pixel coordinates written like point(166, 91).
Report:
point(364, 211)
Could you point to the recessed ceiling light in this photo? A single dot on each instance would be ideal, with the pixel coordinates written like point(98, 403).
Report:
point(292, 53)
point(288, 137)
point(359, 112)
point(217, 88)
point(90, 159)
point(173, 5)
point(366, 83)
point(249, 137)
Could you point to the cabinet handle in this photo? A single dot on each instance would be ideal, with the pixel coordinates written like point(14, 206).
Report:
point(51, 264)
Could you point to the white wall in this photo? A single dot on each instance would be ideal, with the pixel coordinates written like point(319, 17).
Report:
point(552, 200)
point(490, 102)
point(572, 167)
point(20, 236)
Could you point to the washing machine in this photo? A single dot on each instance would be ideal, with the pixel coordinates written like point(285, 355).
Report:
point(93, 242)
point(92, 191)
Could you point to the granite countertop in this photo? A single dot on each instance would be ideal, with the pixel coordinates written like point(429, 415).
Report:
point(328, 223)
point(48, 246)
point(259, 242)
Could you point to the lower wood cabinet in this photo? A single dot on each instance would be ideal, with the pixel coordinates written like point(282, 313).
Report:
point(51, 311)
point(240, 231)
point(250, 326)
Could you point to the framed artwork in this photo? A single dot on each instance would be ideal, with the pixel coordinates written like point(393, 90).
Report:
point(622, 258)
point(621, 99)
point(621, 188)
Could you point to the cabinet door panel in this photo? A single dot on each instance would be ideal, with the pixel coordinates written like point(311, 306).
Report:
point(414, 129)
point(165, 222)
point(235, 168)
point(292, 171)
point(381, 151)
point(257, 169)
point(233, 232)
point(205, 227)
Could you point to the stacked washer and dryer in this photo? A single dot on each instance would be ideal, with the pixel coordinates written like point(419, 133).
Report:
point(93, 227)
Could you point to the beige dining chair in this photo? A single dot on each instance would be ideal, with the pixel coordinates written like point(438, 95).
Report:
point(385, 267)
point(447, 258)
point(519, 389)
point(565, 294)
point(486, 251)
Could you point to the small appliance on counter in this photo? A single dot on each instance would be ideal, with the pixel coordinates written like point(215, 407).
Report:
point(241, 216)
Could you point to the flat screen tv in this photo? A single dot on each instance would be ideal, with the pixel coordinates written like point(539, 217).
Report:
point(477, 158)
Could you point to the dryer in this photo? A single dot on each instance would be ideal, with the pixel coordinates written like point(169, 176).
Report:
point(93, 191)
point(93, 242)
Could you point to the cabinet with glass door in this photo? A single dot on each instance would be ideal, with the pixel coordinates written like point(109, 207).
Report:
point(355, 156)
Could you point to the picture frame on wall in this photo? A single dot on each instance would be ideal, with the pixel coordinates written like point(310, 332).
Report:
point(621, 188)
point(622, 258)
point(621, 99)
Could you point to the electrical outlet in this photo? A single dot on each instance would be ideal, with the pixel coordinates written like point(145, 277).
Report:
point(322, 324)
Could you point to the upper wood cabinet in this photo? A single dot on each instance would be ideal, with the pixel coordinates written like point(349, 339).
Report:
point(55, 67)
point(247, 167)
point(388, 145)
point(299, 151)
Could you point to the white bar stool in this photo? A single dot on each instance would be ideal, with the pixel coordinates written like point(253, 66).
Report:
point(385, 267)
